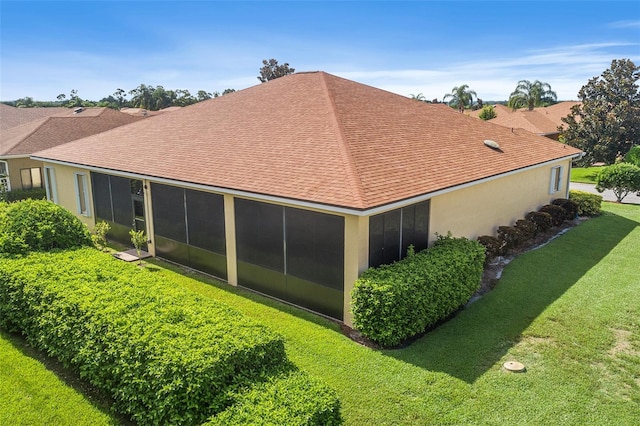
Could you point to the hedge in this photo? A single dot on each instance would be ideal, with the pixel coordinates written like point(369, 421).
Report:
point(39, 225)
point(395, 302)
point(292, 400)
point(588, 204)
point(558, 213)
point(23, 194)
point(165, 355)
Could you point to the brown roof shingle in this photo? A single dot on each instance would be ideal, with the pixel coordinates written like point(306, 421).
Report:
point(12, 116)
point(59, 128)
point(314, 137)
point(541, 120)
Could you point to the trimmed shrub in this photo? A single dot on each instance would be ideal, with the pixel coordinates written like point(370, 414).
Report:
point(295, 399)
point(588, 204)
point(542, 220)
point(39, 225)
point(493, 246)
point(570, 207)
point(621, 178)
point(558, 214)
point(164, 354)
point(527, 228)
point(395, 302)
point(510, 236)
point(23, 194)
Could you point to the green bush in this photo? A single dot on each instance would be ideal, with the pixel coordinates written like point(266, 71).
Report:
point(395, 302)
point(558, 214)
point(165, 355)
point(292, 400)
point(510, 236)
point(542, 220)
point(570, 207)
point(488, 112)
point(588, 204)
point(23, 194)
point(39, 225)
point(633, 156)
point(621, 178)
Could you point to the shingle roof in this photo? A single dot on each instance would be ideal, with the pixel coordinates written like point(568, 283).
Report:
point(12, 116)
point(541, 120)
point(60, 128)
point(314, 137)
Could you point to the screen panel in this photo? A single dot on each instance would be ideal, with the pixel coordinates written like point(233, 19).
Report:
point(168, 212)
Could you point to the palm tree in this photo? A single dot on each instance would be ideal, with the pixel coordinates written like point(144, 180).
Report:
point(460, 96)
point(532, 95)
point(419, 97)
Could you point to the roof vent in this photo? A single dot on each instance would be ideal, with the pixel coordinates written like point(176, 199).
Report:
point(78, 110)
point(492, 144)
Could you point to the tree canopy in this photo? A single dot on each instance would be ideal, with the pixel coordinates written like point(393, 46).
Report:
point(271, 70)
point(531, 95)
point(607, 122)
point(144, 96)
point(460, 97)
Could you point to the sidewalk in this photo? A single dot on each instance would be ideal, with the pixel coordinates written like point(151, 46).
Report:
point(607, 195)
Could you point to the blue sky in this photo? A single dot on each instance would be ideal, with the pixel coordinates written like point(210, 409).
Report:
point(427, 47)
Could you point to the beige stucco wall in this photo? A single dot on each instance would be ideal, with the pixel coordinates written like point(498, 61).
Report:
point(480, 209)
point(356, 257)
point(15, 165)
point(66, 191)
point(470, 212)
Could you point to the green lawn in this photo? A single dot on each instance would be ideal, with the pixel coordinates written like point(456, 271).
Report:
point(585, 174)
point(569, 311)
point(31, 394)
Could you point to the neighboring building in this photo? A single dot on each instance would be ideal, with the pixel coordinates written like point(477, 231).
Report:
point(296, 186)
point(27, 130)
point(12, 116)
point(543, 121)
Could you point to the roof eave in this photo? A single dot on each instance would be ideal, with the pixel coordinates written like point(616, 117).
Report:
point(336, 209)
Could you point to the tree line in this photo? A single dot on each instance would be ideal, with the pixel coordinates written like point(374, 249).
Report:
point(147, 96)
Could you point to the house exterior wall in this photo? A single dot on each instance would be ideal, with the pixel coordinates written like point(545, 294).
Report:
point(15, 165)
point(470, 212)
point(66, 190)
point(484, 207)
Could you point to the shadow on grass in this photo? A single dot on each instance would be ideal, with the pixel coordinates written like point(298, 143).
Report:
point(479, 336)
point(69, 376)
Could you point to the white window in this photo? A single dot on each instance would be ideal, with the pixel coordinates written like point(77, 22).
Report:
point(556, 180)
point(4, 177)
point(50, 184)
point(82, 194)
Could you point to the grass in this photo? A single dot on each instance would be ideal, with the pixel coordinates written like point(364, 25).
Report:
point(585, 174)
point(32, 394)
point(570, 312)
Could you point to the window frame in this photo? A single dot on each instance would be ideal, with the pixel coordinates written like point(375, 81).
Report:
point(5, 182)
point(31, 174)
point(50, 184)
point(555, 185)
point(81, 178)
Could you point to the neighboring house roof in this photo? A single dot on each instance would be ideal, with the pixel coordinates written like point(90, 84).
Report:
point(144, 112)
point(12, 116)
point(314, 137)
point(541, 120)
point(65, 126)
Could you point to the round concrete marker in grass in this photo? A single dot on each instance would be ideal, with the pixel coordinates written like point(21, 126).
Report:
point(514, 366)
